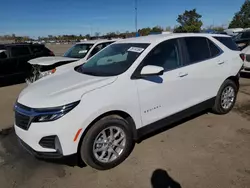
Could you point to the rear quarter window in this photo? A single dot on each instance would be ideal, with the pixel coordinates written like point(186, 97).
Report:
point(37, 49)
point(228, 42)
point(18, 51)
point(214, 50)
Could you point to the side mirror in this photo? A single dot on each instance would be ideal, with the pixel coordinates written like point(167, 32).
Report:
point(152, 70)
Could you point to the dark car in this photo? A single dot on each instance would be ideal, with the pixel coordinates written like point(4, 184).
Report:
point(242, 39)
point(14, 60)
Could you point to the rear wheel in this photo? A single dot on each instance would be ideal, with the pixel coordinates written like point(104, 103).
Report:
point(226, 97)
point(108, 143)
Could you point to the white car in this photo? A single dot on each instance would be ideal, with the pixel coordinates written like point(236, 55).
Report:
point(233, 31)
point(76, 55)
point(243, 42)
point(246, 55)
point(130, 88)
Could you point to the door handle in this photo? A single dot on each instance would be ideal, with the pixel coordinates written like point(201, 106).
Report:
point(221, 62)
point(183, 74)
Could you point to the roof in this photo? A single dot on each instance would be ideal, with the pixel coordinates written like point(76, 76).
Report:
point(96, 41)
point(234, 29)
point(245, 31)
point(163, 37)
point(20, 44)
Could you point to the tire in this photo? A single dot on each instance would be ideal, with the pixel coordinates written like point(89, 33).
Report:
point(106, 148)
point(220, 107)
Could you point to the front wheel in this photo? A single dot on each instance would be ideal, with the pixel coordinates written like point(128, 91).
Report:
point(108, 143)
point(226, 97)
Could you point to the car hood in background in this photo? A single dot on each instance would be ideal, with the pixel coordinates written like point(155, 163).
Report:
point(61, 89)
point(70, 65)
point(50, 60)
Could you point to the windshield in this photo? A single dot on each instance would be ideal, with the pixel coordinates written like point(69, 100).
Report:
point(78, 51)
point(113, 60)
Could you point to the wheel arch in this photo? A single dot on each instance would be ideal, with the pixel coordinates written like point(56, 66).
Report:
point(235, 79)
point(119, 113)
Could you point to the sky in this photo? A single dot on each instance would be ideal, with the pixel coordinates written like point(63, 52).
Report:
point(57, 17)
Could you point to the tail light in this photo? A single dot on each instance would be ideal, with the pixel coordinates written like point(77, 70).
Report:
point(51, 53)
point(53, 70)
point(242, 56)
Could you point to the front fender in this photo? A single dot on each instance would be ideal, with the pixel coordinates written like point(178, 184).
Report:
point(107, 99)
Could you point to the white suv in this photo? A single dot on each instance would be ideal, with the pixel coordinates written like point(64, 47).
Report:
point(130, 88)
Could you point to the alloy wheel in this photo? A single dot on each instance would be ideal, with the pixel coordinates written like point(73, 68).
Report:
point(109, 144)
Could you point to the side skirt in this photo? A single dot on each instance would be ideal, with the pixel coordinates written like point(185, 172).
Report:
point(175, 118)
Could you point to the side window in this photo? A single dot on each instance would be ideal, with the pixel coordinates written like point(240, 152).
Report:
point(37, 49)
point(96, 49)
point(19, 51)
point(165, 55)
point(197, 48)
point(214, 50)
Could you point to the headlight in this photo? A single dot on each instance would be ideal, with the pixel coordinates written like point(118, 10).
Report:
point(52, 114)
point(46, 73)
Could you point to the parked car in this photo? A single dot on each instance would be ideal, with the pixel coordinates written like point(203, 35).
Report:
point(243, 42)
point(78, 54)
point(233, 31)
point(242, 39)
point(14, 59)
point(132, 87)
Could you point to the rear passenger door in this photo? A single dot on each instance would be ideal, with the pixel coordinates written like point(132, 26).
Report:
point(21, 55)
point(203, 68)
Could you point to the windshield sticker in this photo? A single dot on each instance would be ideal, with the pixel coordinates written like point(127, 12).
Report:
point(83, 51)
point(135, 49)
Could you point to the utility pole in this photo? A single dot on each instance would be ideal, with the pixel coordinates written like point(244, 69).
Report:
point(136, 17)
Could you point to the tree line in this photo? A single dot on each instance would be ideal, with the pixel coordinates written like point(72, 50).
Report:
point(189, 21)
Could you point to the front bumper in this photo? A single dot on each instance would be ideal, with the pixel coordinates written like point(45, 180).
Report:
point(28, 81)
point(32, 79)
point(41, 155)
point(62, 132)
point(37, 131)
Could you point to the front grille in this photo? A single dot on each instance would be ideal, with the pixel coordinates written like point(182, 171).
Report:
point(48, 142)
point(22, 121)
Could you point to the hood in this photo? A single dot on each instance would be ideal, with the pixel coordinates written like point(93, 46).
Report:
point(61, 89)
point(50, 60)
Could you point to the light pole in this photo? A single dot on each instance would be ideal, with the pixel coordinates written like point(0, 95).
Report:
point(136, 16)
